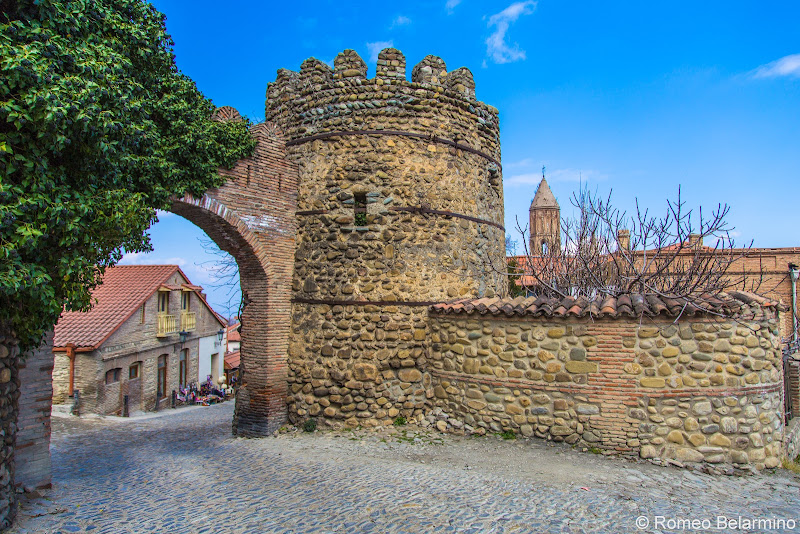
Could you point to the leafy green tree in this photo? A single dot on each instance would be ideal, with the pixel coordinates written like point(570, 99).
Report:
point(515, 272)
point(98, 129)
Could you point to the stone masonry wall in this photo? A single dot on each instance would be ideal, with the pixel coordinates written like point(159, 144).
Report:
point(32, 451)
point(698, 391)
point(9, 396)
point(420, 159)
point(358, 365)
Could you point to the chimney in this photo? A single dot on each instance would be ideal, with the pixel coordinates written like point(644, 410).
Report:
point(624, 239)
point(695, 240)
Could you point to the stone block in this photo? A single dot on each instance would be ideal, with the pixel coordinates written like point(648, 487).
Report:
point(652, 382)
point(581, 367)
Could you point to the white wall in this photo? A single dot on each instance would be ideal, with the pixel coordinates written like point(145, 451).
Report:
point(210, 345)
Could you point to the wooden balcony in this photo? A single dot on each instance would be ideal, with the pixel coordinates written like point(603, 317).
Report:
point(166, 325)
point(188, 321)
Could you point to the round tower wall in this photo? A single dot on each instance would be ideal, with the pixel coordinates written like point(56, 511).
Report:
point(400, 205)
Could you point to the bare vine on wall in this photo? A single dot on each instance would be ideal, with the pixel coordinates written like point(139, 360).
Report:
point(606, 252)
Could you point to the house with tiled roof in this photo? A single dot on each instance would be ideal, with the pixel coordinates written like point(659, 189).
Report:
point(150, 332)
point(234, 337)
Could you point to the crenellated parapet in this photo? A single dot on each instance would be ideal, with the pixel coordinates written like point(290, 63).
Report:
point(435, 102)
point(391, 66)
point(399, 204)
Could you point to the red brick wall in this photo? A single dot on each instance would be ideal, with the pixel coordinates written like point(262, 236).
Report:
point(252, 218)
point(767, 273)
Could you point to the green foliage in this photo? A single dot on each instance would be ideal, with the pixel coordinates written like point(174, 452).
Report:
point(98, 129)
point(309, 425)
point(515, 288)
point(399, 421)
point(508, 434)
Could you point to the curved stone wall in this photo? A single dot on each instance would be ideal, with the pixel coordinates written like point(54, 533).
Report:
point(400, 205)
point(700, 391)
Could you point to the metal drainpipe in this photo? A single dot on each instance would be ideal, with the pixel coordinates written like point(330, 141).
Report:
point(794, 274)
point(71, 356)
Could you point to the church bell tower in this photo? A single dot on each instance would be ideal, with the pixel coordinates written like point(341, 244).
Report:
point(545, 220)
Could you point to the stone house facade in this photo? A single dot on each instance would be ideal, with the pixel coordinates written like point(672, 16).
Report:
point(142, 339)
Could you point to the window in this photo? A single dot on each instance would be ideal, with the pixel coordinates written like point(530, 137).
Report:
point(112, 375)
point(163, 301)
point(183, 366)
point(360, 209)
point(134, 370)
point(141, 314)
point(162, 376)
point(185, 295)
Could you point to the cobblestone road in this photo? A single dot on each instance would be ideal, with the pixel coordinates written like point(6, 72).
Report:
point(183, 473)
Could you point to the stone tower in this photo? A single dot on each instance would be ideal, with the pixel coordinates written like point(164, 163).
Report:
point(400, 205)
point(545, 220)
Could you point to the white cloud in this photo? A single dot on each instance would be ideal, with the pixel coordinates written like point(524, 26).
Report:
point(521, 164)
point(558, 175)
point(496, 47)
point(451, 5)
point(785, 66)
point(146, 258)
point(164, 214)
point(400, 21)
point(376, 47)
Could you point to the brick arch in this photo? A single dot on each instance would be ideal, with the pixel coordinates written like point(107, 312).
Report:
point(251, 217)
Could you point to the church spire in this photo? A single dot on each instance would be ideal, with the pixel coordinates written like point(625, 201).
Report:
point(544, 196)
point(545, 220)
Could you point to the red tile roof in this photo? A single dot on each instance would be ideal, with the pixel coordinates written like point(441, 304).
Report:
point(624, 306)
point(232, 360)
point(123, 291)
point(233, 332)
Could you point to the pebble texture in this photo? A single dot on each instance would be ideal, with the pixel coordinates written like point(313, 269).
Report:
point(356, 482)
point(700, 391)
point(368, 255)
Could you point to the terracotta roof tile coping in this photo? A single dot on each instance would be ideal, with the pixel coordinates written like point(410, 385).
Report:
point(614, 307)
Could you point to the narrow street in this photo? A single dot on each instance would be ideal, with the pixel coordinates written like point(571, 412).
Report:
point(183, 472)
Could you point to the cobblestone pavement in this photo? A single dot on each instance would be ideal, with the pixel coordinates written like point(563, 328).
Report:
point(184, 473)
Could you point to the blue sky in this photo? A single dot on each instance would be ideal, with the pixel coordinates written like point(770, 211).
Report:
point(635, 97)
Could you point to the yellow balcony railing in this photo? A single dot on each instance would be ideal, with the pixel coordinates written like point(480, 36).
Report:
point(166, 325)
point(188, 321)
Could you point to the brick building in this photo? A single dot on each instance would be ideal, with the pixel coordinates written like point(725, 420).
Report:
point(150, 332)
